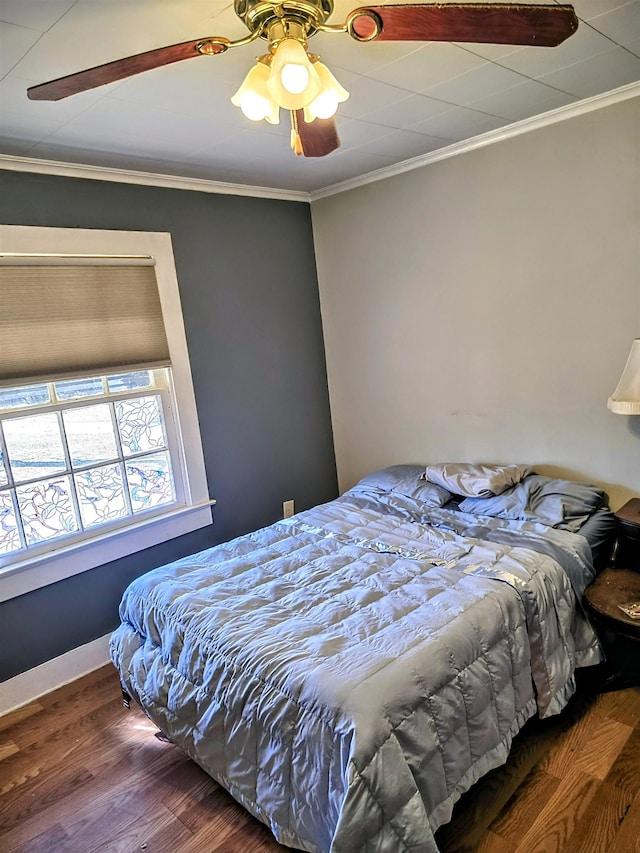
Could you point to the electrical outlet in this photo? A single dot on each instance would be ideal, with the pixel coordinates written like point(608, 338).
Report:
point(288, 509)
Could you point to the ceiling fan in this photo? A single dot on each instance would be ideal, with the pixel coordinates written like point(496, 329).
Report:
point(287, 76)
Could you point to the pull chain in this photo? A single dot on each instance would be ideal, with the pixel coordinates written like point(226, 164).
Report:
point(296, 141)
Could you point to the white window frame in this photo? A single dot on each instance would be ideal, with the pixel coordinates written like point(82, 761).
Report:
point(32, 572)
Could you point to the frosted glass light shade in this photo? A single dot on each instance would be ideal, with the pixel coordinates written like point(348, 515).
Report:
point(331, 94)
point(293, 82)
point(325, 105)
point(254, 98)
point(625, 400)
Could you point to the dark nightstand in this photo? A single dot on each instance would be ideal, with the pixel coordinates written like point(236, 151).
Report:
point(619, 584)
point(618, 633)
point(627, 549)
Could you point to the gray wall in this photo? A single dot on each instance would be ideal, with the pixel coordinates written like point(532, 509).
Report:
point(482, 307)
point(249, 295)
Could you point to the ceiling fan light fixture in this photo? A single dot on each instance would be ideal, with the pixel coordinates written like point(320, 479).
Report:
point(253, 96)
point(288, 76)
point(331, 95)
point(293, 82)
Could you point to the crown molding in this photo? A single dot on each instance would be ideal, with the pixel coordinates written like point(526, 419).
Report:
point(587, 105)
point(126, 176)
point(98, 173)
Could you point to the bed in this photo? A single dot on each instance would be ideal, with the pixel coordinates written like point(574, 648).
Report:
point(348, 673)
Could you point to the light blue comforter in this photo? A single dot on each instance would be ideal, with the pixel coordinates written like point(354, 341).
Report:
point(348, 673)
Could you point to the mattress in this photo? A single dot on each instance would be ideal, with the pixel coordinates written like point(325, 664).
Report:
point(347, 674)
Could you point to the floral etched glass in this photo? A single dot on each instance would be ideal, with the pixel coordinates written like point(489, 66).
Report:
point(140, 423)
point(150, 481)
point(47, 509)
point(9, 535)
point(101, 495)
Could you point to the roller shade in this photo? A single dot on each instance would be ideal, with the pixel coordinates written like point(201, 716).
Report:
point(69, 316)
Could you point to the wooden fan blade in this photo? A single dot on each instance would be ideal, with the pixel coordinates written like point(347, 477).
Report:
point(488, 23)
point(127, 67)
point(319, 137)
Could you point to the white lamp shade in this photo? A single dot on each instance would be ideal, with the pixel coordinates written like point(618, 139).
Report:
point(293, 82)
point(253, 97)
point(625, 400)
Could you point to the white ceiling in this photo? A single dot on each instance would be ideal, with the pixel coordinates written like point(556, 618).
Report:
point(407, 99)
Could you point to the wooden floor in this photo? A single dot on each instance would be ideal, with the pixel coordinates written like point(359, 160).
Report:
point(79, 774)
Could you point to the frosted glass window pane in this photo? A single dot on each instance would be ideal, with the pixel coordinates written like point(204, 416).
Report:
point(9, 536)
point(130, 381)
point(90, 435)
point(26, 395)
point(150, 481)
point(101, 494)
point(47, 509)
point(34, 446)
point(74, 389)
point(140, 424)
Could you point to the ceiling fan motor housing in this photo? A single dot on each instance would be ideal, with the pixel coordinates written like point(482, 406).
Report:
point(261, 14)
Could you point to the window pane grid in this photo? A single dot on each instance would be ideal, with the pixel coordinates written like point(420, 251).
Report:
point(81, 469)
point(82, 485)
point(14, 401)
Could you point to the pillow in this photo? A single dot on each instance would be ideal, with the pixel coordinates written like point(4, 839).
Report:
point(475, 481)
point(557, 503)
point(405, 480)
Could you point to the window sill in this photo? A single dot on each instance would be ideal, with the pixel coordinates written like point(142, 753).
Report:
point(35, 572)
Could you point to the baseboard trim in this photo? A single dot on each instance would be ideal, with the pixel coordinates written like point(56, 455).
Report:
point(30, 685)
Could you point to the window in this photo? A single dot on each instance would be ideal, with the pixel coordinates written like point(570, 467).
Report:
point(79, 455)
point(100, 450)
